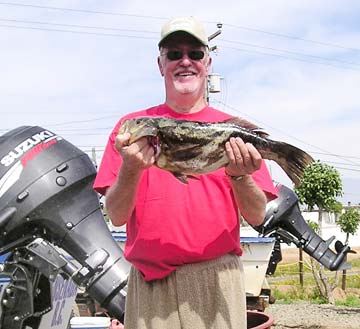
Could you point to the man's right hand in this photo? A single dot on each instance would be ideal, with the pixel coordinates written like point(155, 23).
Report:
point(137, 156)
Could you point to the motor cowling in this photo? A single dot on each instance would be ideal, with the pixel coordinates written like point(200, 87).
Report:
point(46, 191)
point(284, 219)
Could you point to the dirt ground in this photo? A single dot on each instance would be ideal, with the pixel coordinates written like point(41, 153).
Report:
point(311, 316)
point(304, 315)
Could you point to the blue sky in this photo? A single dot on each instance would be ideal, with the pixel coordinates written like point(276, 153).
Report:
point(293, 68)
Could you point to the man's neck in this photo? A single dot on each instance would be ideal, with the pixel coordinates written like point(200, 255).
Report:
point(186, 106)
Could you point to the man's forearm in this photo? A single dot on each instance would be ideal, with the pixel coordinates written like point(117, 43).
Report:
point(250, 199)
point(121, 196)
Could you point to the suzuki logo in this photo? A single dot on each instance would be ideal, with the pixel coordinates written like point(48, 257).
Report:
point(25, 146)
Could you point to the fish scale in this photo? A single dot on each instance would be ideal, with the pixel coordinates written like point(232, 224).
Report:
point(190, 148)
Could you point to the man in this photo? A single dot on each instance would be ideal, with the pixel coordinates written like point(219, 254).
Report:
point(183, 240)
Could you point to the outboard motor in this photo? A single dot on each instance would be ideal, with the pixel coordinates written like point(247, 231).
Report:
point(284, 219)
point(47, 206)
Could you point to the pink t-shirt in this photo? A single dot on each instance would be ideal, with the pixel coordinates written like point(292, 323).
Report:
point(173, 223)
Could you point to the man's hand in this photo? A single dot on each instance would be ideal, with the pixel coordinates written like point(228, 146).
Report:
point(244, 158)
point(137, 156)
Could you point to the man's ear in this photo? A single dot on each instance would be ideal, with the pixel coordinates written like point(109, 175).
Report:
point(160, 66)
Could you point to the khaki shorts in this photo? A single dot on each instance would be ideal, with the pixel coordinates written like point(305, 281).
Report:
point(206, 295)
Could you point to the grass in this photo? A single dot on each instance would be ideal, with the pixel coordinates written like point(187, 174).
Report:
point(297, 294)
point(355, 263)
point(287, 290)
point(312, 296)
point(350, 301)
point(293, 268)
point(352, 281)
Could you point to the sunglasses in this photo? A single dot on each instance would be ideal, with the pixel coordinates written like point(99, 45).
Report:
point(175, 55)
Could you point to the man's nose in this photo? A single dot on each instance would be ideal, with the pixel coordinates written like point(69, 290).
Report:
point(185, 60)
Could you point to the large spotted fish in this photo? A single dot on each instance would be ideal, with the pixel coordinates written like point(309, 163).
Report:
point(190, 148)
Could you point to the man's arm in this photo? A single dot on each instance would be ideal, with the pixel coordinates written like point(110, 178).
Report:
point(244, 159)
point(121, 196)
point(250, 199)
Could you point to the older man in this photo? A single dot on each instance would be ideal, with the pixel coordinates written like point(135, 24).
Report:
point(183, 240)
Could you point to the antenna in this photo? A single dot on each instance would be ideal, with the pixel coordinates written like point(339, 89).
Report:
point(214, 35)
point(214, 79)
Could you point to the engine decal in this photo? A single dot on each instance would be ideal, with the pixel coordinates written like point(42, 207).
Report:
point(26, 151)
point(36, 150)
point(28, 144)
point(10, 178)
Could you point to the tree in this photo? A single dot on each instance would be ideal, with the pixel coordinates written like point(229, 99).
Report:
point(319, 187)
point(349, 223)
point(337, 209)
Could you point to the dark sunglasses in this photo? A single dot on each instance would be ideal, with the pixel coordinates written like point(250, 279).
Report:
point(175, 55)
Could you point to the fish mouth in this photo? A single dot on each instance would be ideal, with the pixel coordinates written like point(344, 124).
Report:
point(154, 141)
point(135, 136)
point(138, 130)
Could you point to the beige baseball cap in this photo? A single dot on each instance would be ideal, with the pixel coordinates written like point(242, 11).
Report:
point(188, 24)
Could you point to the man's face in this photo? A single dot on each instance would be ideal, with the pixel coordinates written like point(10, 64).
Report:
point(183, 68)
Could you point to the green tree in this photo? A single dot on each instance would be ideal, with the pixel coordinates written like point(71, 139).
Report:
point(337, 208)
point(349, 223)
point(319, 187)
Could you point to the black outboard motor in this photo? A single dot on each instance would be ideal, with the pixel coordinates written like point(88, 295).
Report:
point(47, 203)
point(283, 217)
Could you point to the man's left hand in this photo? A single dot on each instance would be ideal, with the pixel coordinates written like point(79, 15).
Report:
point(244, 158)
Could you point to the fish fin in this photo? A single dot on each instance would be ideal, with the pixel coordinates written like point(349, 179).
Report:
point(291, 159)
point(247, 125)
point(183, 178)
point(193, 177)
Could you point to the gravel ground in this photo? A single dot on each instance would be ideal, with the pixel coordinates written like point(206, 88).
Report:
point(312, 316)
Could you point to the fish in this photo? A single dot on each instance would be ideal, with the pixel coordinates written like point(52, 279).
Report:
point(188, 149)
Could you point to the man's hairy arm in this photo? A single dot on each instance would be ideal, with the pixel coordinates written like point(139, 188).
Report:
point(244, 159)
point(121, 196)
point(250, 199)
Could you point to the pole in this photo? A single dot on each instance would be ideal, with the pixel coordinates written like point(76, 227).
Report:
point(343, 279)
point(301, 267)
point(93, 155)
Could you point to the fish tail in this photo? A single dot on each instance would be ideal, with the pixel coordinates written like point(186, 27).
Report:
point(291, 159)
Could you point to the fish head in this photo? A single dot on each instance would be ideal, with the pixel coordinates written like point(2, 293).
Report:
point(138, 128)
